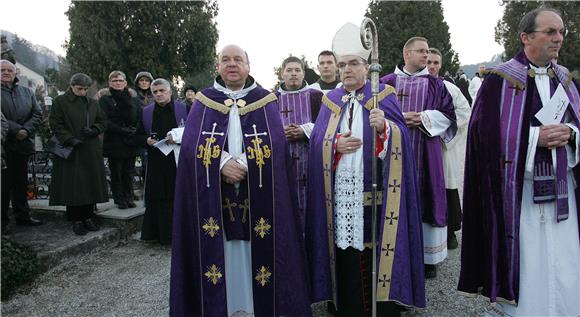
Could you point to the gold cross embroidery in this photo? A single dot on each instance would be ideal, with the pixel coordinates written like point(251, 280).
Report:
point(263, 276)
point(258, 152)
point(209, 151)
point(229, 205)
point(245, 206)
point(211, 227)
point(213, 274)
point(262, 228)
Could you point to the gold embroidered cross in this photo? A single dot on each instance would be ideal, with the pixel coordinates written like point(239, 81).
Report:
point(209, 151)
point(213, 274)
point(263, 276)
point(229, 205)
point(245, 206)
point(211, 227)
point(258, 152)
point(262, 227)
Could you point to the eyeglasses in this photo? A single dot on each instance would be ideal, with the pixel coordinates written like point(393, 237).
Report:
point(420, 51)
point(552, 32)
point(117, 80)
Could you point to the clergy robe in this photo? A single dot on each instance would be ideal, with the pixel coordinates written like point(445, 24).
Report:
point(160, 176)
point(231, 242)
point(299, 107)
point(421, 92)
point(515, 250)
point(399, 241)
point(454, 157)
point(324, 86)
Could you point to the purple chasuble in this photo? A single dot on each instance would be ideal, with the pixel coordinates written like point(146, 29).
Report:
point(279, 275)
point(299, 107)
point(416, 94)
point(497, 145)
point(406, 282)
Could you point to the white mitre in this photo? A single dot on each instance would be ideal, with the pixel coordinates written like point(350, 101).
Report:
point(347, 42)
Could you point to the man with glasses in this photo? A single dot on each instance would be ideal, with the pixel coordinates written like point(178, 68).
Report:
point(520, 224)
point(339, 205)
point(237, 247)
point(428, 110)
point(23, 115)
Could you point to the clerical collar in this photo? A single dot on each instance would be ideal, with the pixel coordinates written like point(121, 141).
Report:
point(400, 71)
point(283, 90)
point(330, 85)
point(249, 86)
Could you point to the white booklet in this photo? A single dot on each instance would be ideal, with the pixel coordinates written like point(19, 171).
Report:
point(553, 112)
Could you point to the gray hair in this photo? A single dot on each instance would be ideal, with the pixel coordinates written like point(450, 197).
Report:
point(80, 79)
point(5, 61)
point(161, 82)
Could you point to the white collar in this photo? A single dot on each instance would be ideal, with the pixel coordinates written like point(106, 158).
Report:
point(403, 73)
point(234, 94)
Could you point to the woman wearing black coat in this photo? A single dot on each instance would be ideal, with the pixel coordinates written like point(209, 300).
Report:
point(78, 182)
point(121, 106)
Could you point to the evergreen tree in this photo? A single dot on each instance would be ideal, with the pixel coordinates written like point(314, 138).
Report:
point(507, 34)
point(167, 38)
point(397, 21)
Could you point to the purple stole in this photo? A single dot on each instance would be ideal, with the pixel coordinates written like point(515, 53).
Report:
point(418, 93)
point(297, 108)
point(179, 110)
point(547, 186)
point(262, 210)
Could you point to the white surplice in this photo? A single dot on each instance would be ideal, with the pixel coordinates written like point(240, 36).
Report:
point(549, 250)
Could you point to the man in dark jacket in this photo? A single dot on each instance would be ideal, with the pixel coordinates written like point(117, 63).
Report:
point(23, 116)
point(121, 106)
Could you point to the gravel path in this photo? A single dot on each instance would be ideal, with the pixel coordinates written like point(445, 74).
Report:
point(132, 279)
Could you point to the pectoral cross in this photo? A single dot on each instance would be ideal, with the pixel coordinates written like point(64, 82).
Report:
point(229, 205)
point(209, 151)
point(258, 152)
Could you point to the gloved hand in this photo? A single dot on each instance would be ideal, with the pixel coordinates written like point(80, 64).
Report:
point(128, 130)
point(89, 132)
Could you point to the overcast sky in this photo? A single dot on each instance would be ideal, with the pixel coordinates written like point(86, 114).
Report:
point(269, 30)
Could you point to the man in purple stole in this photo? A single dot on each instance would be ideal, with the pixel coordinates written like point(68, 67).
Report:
point(428, 110)
point(338, 218)
point(298, 105)
point(237, 245)
point(521, 245)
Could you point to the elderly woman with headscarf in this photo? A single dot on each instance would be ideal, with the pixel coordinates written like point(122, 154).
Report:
point(78, 182)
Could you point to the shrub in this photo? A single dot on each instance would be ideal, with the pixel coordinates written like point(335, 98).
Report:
point(19, 266)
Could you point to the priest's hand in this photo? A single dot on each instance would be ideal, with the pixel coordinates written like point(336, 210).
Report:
point(169, 138)
point(347, 144)
point(151, 141)
point(294, 133)
point(377, 119)
point(233, 172)
point(554, 135)
point(413, 119)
